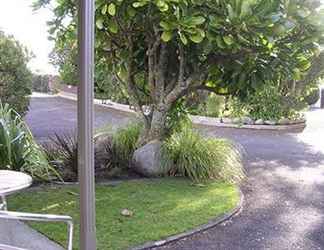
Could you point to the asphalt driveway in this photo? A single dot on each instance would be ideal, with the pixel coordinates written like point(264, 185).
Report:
point(284, 193)
point(49, 115)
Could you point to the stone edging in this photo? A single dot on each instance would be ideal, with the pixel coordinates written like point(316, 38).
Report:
point(212, 223)
point(197, 120)
point(215, 122)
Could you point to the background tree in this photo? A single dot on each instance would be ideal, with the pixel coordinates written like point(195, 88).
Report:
point(15, 77)
point(163, 50)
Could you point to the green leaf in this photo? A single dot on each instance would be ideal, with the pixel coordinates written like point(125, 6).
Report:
point(113, 27)
point(112, 9)
point(296, 74)
point(166, 36)
point(162, 5)
point(99, 24)
point(198, 20)
point(231, 13)
point(166, 25)
point(104, 9)
point(139, 4)
point(131, 11)
point(228, 40)
point(220, 43)
point(198, 37)
point(183, 38)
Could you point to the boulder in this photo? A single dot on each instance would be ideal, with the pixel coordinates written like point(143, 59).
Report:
point(284, 121)
point(226, 120)
point(237, 120)
point(298, 121)
point(270, 122)
point(247, 120)
point(259, 122)
point(147, 159)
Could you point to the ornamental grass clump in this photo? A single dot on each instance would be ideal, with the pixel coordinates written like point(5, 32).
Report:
point(62, 154)
point(18, 149)
point(124, 143)
point(187, 153)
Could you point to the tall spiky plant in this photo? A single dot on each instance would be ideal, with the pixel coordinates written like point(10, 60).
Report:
point(18, 149)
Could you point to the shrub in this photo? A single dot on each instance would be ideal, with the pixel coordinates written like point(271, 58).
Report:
point(215, 105)
point(124, 143)
point(41, 83)
point(18, 149)
point(15, 77)
point(113, 150)
point(187, 153)
point(312, 95)
point(267, 103)
point(206, 104)
point(236, 108)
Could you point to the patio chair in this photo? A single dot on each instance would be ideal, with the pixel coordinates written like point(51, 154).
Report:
point(6, 247)
point(12, 182)
point(4, 214)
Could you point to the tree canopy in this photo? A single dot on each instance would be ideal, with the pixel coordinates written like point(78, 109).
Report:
point(15, 77)
point(162, 50)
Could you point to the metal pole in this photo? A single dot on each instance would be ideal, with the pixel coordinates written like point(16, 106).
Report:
point(322, 98)
point(85, 125)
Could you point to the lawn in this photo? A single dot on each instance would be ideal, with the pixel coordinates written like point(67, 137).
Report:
point(161, 207)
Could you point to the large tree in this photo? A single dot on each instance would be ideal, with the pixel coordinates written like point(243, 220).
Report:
point(163, 50)
point(15, 77)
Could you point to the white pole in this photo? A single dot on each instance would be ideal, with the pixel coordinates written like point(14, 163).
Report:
point(85, 125)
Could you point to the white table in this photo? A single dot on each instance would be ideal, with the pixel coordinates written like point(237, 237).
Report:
point(12, 182)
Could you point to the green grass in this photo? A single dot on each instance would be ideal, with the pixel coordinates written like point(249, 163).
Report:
point(161, 207)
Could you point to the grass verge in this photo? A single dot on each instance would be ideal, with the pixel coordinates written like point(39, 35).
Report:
point(161, 208)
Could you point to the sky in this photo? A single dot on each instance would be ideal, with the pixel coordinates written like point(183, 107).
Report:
point(18, 19)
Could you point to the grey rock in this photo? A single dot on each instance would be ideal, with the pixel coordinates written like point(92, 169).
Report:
point(237, 120)
point(247, 120)
point(226, 120)
point(298, 121)
point(259, 122)
point(126, 212)
point(147, 159)
point(270, 122)
point(284, 121)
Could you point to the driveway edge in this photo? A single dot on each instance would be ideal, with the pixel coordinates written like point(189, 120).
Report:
point(212, 223)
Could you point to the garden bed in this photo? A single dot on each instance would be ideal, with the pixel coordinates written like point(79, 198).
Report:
point(160, 207)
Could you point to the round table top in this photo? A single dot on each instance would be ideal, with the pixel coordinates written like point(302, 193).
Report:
point(12, 181)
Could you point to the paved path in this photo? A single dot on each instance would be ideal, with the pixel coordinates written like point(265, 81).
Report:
point(284, 193)
point(18, 234)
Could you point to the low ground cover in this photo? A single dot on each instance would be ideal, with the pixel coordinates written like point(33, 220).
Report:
point(160, 207)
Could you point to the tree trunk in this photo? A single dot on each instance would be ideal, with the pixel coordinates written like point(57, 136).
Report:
point(155, 128)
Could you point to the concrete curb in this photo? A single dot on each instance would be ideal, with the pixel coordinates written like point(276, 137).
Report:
point(212, 223)
point(197, 120)
point(110, 105)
